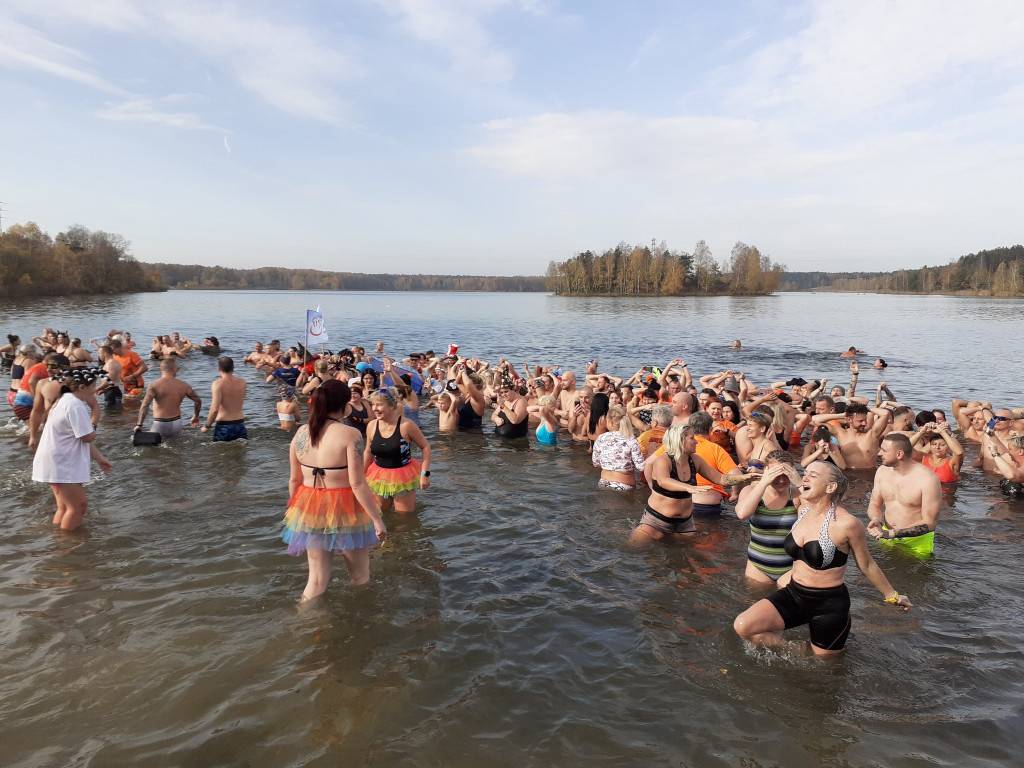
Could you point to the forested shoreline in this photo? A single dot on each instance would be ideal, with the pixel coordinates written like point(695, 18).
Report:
point(197, 276)
point(656, 270)
point(76, 261)
point(993, 272)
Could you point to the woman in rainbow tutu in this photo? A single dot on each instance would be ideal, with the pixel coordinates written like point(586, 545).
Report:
point(331, 508)
point(391, 471)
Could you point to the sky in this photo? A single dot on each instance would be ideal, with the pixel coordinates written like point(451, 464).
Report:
point(495, 136)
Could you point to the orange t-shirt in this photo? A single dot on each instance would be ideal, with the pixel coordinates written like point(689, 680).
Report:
point(39, 369)
point(718, 458)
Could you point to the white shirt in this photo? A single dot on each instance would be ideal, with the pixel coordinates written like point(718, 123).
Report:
point(61, 456)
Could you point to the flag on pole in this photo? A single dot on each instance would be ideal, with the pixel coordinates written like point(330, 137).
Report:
point(316, 331)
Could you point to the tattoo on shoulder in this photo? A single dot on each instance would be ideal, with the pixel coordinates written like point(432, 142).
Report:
point(302, 441)
point(360, 445)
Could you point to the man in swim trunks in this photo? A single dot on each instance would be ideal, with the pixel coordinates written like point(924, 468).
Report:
point(228, 395)
point(110, 389)
point(910, 494)
point(859, 444)
point(166, 394)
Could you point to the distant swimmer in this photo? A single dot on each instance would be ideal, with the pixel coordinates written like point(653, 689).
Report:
point(228, 395)
point(736, 344)
point(910, 494)
point(852, 352)
point(166, 394)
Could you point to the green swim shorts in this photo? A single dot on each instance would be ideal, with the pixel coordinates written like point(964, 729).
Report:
point(919, 546)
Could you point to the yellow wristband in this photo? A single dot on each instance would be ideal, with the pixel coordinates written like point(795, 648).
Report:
point(895, 597)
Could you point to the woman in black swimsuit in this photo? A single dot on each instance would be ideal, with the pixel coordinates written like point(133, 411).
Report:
point(814, 592)
point(391, 472)
point(358, 413)
point(669, 510)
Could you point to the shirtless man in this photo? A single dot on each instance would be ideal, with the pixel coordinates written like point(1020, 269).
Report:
point(682, 404)
point(970, 418)
point(255, 357)
point(579, 415)
point(182, 345)
point(111, 390)
point(1002, 425)
point(860, 443)
point(228, 394)
point(910, 494)
point(566, 393)
point(166, 394)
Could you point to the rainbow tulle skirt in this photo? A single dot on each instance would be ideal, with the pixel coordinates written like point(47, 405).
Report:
point(328, 519)
point(387, 483)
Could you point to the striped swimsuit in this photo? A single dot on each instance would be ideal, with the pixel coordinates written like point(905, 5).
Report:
point(768, 531)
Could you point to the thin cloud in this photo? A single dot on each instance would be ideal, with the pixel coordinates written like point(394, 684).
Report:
point(455, 28)
point(148, 111)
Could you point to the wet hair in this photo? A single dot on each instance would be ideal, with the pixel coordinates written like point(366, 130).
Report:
point(783, 457)
point(924, 417)
point(213, 341)
point(762, 418)
point(330, 397)
point(386, 395)
point(598, 408)
point(662, 414)
point(675, 438)
point(836, 476)
point(701, 422)
point(12, 339)
point(226, 365)
point(618, 418)
point(855, 408)
point(882, 363)
point(899, 413)
point(899, 441)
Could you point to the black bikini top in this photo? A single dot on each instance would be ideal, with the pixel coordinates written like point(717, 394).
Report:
point(820, 554)
point(321, 472)
point(674, 474)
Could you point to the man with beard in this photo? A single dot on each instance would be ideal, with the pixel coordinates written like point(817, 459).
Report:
point(910, 494)
point(860, 443)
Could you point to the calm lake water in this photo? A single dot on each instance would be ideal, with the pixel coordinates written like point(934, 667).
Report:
point(505, 623)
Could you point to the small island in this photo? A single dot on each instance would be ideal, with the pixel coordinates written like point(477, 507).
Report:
point(655, 270)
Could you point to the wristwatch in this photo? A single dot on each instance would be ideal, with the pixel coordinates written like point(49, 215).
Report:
point(425, 473)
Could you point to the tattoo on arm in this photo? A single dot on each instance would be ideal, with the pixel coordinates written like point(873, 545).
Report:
point(302, 442)
point(360, 445)
point(906, 533)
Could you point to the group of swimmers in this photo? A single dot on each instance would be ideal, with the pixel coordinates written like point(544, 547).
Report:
point(694, 443)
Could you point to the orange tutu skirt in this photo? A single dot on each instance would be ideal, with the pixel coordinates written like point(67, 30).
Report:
point(327, 519)
point(387, 483)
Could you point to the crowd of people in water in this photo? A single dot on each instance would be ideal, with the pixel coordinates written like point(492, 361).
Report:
point(694, 446)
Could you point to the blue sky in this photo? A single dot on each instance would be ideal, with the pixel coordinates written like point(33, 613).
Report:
point(493, 136)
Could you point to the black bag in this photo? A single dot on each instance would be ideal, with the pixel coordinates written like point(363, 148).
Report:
point(144, 439)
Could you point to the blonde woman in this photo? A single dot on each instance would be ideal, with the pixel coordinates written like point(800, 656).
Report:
point(391, 471)
point(617, 452)
point(547, 430)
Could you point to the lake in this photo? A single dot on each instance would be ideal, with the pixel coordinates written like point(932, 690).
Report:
point(505, 624)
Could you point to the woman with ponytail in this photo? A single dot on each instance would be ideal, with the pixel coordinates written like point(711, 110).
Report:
point(331, 508)
point(67, 445)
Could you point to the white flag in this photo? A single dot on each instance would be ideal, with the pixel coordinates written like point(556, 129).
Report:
point(316, 331)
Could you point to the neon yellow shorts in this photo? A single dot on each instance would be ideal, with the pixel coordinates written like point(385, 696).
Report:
point(919, 546)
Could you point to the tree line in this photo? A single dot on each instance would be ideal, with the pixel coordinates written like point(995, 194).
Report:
point(196, 276)
point(76, 261)
point(994, 272)
point(656, 270)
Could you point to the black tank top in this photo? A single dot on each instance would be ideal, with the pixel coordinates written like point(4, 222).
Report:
point(674, 474)
point(390, 452)
point(510, 430)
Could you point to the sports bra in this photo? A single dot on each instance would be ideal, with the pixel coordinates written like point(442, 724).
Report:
point(822, 554)
point(674, 474)
point(390, 452)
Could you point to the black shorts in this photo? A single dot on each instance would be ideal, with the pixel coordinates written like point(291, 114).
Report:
point(826, 610)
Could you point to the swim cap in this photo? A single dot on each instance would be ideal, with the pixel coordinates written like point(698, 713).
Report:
point(362, 366)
